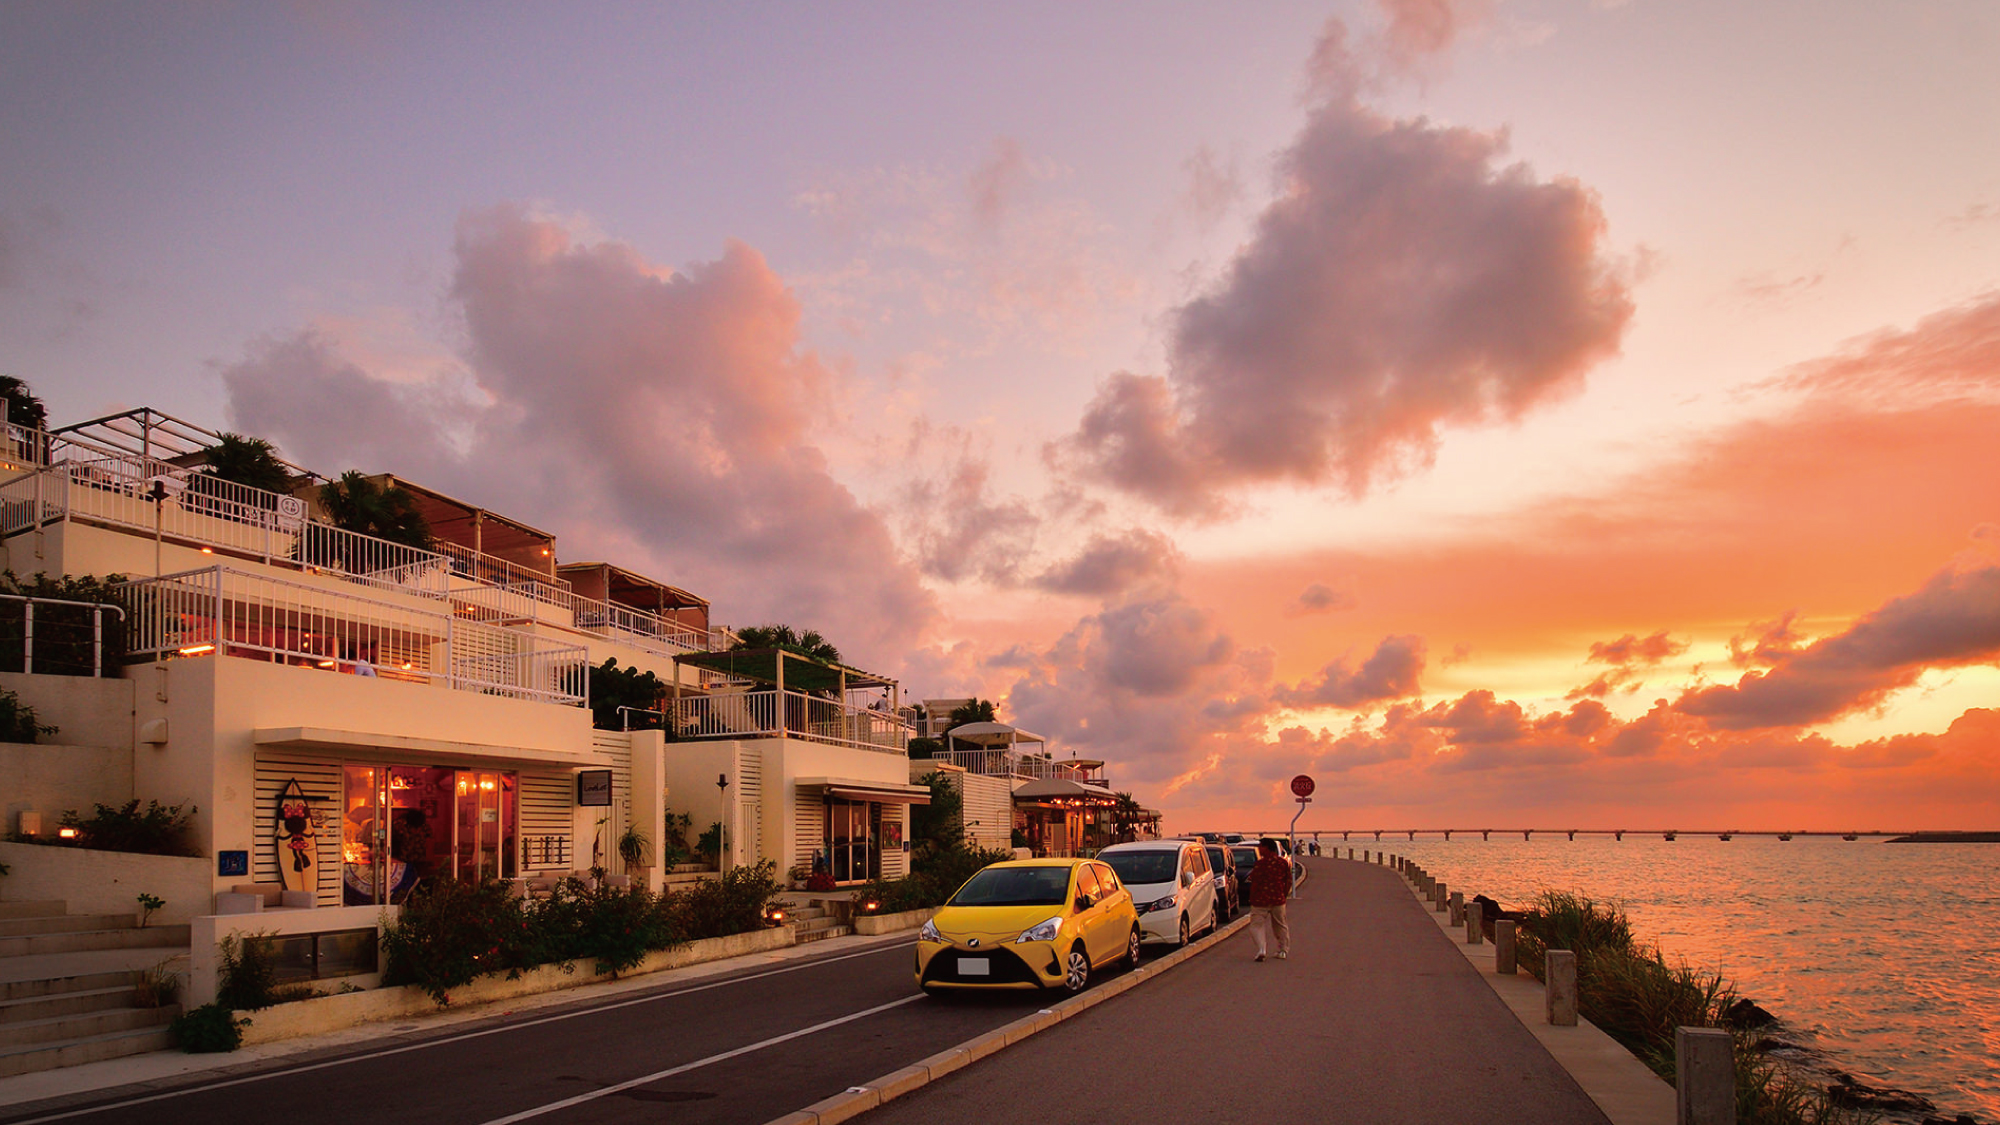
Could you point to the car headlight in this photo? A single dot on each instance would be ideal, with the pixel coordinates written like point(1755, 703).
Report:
point(929, 932)
point(1041, 931)
point(1166, 903)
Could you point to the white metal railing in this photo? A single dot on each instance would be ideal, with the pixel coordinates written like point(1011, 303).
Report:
point(56, 636)
point(117, 488)
point(185, 506)
point(231, 612)
point(771, 714)
point(23, 447)
point(999, 761)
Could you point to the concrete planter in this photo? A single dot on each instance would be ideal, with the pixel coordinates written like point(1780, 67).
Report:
point(890, 923)
point(331, 1013)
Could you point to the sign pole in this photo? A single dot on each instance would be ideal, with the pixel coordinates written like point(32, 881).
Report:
point(1302, 788)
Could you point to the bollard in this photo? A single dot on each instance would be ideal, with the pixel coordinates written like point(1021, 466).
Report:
point(1457, 915)
point(1705, 1077)
point(1475, 923)
point(1350, 853)
point(1559, 979)
point(1438, 896)
point(1503, 946)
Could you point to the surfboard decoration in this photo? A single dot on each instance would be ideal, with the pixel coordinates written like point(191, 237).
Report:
point(296, 838)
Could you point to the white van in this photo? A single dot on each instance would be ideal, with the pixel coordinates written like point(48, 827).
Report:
point(1172, 885)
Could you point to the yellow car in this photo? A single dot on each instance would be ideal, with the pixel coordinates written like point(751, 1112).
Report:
point(1031, 923)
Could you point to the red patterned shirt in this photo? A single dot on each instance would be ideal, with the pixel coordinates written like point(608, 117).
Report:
point(1270, 881)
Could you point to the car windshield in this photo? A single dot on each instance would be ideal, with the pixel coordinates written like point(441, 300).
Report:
point(1243, 855)
point(1015, 886)
point(1144, 867)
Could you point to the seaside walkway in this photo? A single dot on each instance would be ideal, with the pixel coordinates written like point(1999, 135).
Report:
point(1376, 1018)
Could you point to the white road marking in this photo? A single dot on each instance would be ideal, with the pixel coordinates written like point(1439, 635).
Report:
point(427, 1044)
point(698, 1064)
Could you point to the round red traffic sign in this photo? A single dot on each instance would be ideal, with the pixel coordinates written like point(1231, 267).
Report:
point(1302, 786)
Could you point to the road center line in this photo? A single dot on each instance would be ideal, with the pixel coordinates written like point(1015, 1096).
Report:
point(449, 1039)
point(698, 1063)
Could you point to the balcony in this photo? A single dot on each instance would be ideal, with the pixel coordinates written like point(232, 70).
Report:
point(1002, 762)
point(788, 714)
point(221, 611)
point(115, 488)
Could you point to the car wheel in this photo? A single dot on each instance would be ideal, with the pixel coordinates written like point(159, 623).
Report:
point(1076, 970)
point(1184, 930)
point(1132, 949)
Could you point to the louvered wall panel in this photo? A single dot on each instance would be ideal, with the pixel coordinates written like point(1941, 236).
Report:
point(318, 778)
point(750, 803)
point(548, 808)
point(989, 801)
point(809, 830)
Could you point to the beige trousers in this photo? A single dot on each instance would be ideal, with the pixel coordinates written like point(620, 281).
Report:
point(1267, 920)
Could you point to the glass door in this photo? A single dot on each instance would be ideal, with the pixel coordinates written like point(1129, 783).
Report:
point(850, 832)
point(487, 808)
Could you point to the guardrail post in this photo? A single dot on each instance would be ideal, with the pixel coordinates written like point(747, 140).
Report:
point(1503, 946)
point(1475, 923)
point(1457, 908)
point(1704, 1077)
point(1559, 984)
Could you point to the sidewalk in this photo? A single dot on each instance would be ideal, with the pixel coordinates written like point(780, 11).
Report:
point(1376, 1018)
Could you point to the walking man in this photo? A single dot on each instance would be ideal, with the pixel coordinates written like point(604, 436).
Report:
point(1270, 887)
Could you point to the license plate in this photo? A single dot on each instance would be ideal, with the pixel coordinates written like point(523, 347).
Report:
point(974, 967)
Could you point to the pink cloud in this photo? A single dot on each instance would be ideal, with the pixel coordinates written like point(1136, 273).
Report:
point(658, 418)
point(1953, 620)
point(1405, 279)
point(1390, 672)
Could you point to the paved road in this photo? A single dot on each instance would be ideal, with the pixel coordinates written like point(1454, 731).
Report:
point(1375, 1019)
point(700, 1053)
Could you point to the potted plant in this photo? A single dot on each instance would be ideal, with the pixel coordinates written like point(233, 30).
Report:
point(632, 845)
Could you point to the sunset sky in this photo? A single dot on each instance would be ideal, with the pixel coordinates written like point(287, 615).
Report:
point(1512, 413)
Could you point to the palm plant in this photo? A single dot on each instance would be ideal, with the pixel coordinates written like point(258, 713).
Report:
point(23, 408)
point(356, 503)
point(977, 711)
point(247, 461)
point(806, 643)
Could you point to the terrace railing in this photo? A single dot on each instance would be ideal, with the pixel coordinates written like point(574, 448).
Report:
point(233, 613)
point(141, 494)
point(773, 714)
point(55, 636)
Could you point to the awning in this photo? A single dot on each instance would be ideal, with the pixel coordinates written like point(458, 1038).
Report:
point(1057, 788)
point(427, 749)
point(880, 792)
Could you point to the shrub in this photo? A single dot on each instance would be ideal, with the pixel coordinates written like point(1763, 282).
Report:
point(160, 830)
point(452, 931)
point(18, 721)
point(731, 904)
point(157, 987)
point(937, 877)
point(208, 1029)
point(246, 978)
point(1629, 990)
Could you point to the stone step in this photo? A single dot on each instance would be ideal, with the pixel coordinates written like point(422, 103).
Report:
point(70, 1003)
point(806, 913)
point(66, 924)
point(97, 1048)
point(43, 909)
point(690, 869)
point(805, 936)
point(56, 986)
point(83, 1025)
point(149, 938)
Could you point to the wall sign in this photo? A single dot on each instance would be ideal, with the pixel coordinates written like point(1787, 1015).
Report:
point(232, 865)
point(593, 787)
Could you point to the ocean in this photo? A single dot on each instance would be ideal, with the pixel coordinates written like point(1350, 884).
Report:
point(1884, 958)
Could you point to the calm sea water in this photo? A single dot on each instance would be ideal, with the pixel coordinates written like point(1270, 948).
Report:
point(1886, 957)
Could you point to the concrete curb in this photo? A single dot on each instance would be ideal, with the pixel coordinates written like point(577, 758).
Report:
point(856, 1100)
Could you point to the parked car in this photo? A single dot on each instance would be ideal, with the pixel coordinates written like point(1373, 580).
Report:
point(1036, 923)
point(1243, 857)
point(1228, 892)
point(1172, 885)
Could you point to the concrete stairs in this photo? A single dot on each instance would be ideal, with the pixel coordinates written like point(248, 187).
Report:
point(69, 986)
point(681, 876)
point(814, 922)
